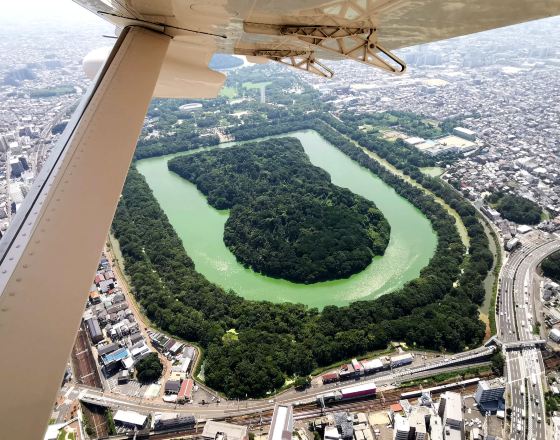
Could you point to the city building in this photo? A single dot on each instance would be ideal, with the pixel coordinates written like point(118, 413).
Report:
point(436, 427)
point(191, 106)
point(491, 213)
point(185, 392)
point(373, 366)
point(417, 423)
point(465, 133)
point(512, 244)
point(489, 393)
point(95, 333)
point(344, 425)
point(523, 229)
point(174, 422)
point(550, 290)
point(172, 387)
point(401, 428)
point(451, 412)
point(555, 428)
point(224, 431)
point(282, 423)
point(554, 335)
point(129, 419)
point(331, 433)
point(401, 359)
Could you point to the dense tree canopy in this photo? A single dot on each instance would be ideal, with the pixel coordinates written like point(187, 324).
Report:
point(287, 219)
point(551, 266)
point(516, 208)
point(274, 341)
point(291, 339)
point(149, 369)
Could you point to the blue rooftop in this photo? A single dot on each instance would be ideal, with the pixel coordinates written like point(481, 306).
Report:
point(115, 356)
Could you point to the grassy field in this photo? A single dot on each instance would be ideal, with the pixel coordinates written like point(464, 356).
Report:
point(52, 91)
point(252, 85)
point(228, 92)
point(432, 171)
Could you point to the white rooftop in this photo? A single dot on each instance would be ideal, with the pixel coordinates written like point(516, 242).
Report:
point(281, 426)
point(232, 432)
point(453, 406)
point(464, 130)
point(358, 388)
point(373, 363)
point(129, 417)
point(401, 424)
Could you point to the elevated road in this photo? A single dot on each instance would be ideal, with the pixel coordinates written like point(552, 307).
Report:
point(516, 323)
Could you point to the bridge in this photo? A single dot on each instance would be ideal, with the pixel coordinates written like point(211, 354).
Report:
point(523, 344)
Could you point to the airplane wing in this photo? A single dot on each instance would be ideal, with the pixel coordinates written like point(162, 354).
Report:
point(303, 33)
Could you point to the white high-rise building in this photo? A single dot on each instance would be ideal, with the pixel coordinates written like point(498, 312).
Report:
point(451, 412)
point(401, 428)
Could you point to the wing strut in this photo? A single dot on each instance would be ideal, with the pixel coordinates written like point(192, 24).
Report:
point(299, 59)
point(354, 43)
point(51, 250)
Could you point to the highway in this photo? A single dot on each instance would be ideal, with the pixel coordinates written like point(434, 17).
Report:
point(516, 320)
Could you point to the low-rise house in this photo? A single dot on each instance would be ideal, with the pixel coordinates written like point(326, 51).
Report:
point(94, 329)
point(108, 348)
point(172, 386)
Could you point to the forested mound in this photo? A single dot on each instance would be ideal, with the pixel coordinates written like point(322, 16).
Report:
point(516, 208)
point(287, 219)
point(551, 266)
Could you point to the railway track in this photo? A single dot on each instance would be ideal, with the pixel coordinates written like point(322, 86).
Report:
point(304, 411)
point(310, 410)
point(83, 363)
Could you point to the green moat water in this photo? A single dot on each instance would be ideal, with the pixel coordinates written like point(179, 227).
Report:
point(201, 227)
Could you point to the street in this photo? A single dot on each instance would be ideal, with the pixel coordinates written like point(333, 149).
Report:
point(516, 324)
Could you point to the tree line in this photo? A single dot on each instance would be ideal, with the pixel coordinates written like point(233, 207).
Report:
point(436, 311)
point(479, 260)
